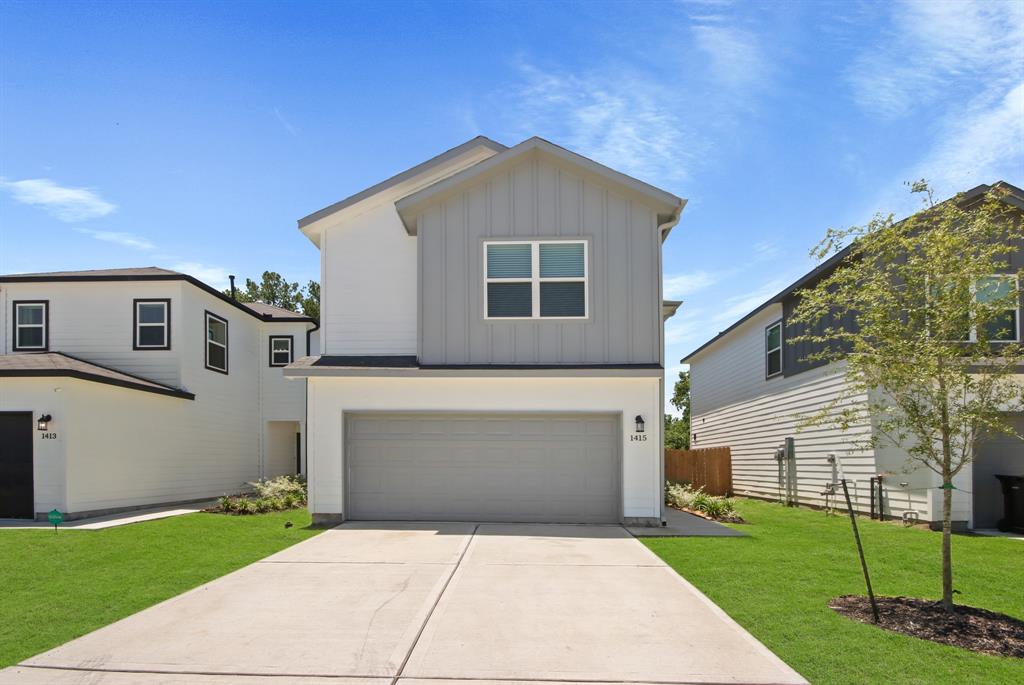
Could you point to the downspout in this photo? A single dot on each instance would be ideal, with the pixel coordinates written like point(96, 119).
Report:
point(305, 402)
point(663, 231)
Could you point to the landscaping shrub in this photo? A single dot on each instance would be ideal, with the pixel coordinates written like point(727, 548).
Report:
point(685, 496)
point(276, 494)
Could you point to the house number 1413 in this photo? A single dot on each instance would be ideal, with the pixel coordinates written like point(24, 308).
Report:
point(49, 436)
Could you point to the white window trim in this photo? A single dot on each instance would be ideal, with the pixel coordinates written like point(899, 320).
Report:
point(208, 341)
point(42, 326)
point(285, 338)
point(535, 280)
point(166, 325)
point(973, 336)
point(777, 324)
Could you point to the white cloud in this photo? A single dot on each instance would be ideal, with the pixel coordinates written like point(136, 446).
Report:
point(617, 117)
point(215, 276)
point(119, 238)
point(735, 55)
point(932, 45)
point(679, 286)
point(285, 123)
point(66, 204)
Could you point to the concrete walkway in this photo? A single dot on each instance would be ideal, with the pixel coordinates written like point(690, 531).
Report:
point(110, 520)
point(680, 524)
point(428, 604)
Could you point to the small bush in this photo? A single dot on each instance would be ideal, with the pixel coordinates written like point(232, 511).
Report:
point(276, 494)
point(684, 496)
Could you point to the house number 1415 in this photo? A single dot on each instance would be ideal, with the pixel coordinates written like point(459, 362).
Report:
point(638, 437)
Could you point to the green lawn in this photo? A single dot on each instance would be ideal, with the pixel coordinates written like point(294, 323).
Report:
point(777, 584)
point(59, 586)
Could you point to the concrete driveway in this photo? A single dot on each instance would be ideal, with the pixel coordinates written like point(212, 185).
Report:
point(422, 604)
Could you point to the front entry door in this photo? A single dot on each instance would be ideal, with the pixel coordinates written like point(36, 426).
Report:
point(16, 500)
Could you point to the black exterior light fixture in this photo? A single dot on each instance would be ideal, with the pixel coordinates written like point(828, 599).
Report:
point(639, 424)
point(44, 422)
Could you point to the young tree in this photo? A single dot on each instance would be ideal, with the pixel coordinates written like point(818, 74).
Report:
point(936, 303)
point(677, 431)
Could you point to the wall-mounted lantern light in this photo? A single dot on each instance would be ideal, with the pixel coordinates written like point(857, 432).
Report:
point(639, 424)
point(44, 422)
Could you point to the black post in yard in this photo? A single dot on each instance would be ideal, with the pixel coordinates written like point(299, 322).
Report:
point(860, 549)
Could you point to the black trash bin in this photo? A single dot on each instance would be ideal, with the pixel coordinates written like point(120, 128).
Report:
point(1013, 504)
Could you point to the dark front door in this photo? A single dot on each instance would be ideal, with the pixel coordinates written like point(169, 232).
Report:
point(16, 465)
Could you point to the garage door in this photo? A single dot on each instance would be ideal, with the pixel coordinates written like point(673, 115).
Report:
point(476, 467)
point(1000, 454)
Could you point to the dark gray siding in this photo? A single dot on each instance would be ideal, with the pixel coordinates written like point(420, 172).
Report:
point(540, 198)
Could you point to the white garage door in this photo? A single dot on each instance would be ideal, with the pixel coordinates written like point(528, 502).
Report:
point(477, 467)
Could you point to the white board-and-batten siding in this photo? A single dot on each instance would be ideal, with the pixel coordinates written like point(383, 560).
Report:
point(735, 406)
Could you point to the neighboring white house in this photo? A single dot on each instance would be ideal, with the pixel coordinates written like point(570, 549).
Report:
point(750, 390)
point(492, 342)
point(123, 388)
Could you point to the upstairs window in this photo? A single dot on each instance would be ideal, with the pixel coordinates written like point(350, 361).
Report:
point(536, 279)
point(152, 325)
point(1005, 325)
point(31, 325)
point(773, 350)
point(280, 350)
point(216, 343)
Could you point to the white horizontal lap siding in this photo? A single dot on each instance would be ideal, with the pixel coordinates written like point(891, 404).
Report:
point(94, 321)
point(369, 296)
point(735, 406)
point(224, 421)
point(331, 397)
point(282, 398)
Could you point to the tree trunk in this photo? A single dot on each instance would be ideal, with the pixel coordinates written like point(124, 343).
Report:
point(947, 547)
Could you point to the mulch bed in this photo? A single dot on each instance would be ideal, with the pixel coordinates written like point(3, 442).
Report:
point(970, 628)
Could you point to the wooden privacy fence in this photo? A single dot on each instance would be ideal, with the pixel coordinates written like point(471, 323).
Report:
point(709, 468)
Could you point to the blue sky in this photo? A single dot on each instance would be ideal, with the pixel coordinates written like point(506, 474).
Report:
point(192, 136)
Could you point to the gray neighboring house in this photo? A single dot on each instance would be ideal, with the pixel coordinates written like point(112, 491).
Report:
point(749, 390)
point(492, 342)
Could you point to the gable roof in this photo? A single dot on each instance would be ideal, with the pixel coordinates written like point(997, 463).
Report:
point(668, 205)
point(1014, 197)
point(259, 310)
point(51, 364)
point(408, 174)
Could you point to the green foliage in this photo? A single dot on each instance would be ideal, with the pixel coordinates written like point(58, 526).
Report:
point(685, 496)
point(677, 430)
point(277, 494)
point(274, 290)
point(677, 433)
point(777, 583)
point(929, 349)
point(61, 586)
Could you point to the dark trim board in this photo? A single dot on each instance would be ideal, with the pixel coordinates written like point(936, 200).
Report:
point(206, 343)
point(156, 277)
point(135, 323)
point(14, 326)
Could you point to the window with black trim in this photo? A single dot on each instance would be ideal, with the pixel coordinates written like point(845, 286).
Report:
point(535, 279)
point(281, 350)
point(31, 325)
point(773, 350)
point(216, 343)
point(152, 320)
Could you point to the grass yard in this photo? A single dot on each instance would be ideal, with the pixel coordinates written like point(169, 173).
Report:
point(777, 584)
point(57, 587)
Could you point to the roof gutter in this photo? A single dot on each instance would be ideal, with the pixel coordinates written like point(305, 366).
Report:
point(665, 228)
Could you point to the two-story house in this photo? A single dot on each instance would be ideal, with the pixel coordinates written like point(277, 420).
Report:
point(751, 390)
point(125, 388)
point(492, 342)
